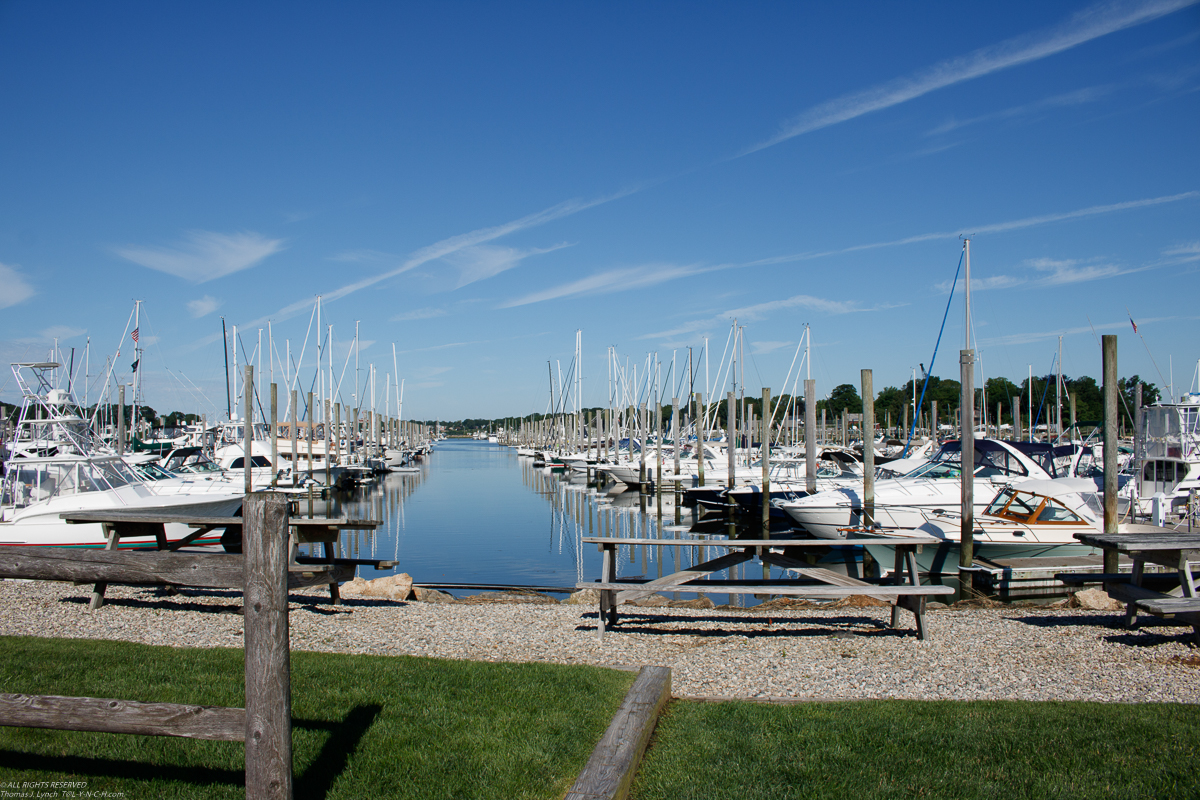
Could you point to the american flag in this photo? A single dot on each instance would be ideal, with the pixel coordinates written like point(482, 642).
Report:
point(134, 334)
point(1134, 324)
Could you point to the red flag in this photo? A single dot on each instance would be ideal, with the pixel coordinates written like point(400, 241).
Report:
point(1134, 324)
point(135, 334)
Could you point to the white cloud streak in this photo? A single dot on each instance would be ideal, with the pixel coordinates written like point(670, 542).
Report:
point(1075, 98)
point(15, 288)
point(998, 227)
point(61, 332)
point(482, 261)
point(438, 250)
point(1084, 26)
point(614, 280)
point(203, 306)
point(204, 255)
point(419, 313)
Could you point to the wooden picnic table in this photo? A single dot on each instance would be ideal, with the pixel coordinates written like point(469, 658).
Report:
point(814, 582)
point(1166, 548)
point(301, 530)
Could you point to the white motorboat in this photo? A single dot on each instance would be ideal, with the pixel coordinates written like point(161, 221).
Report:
point(57, 464)
point(902, 502)
point(1031, 519)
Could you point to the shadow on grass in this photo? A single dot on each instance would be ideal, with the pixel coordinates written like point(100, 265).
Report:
point(315, 782)
point(344, 737)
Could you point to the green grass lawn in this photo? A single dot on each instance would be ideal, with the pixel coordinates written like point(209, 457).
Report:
point(363, 726)
point(893, 749)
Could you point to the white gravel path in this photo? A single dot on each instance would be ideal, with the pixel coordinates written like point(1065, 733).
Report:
point(1012, 653)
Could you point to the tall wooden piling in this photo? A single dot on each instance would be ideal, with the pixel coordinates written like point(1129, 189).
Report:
point(267, 646)
point(1108, 346)
point(810, 436)
point(868, 428)
point(675, 447)
point(274, 434)
point(121, 420)
point(731, 436)
point(966, 361)
point(765, 453)
point(295, 441)
point(248, 429)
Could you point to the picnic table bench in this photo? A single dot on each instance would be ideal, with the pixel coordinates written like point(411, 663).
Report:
point(1172, 549)
point(303, 570)
point(814, 582)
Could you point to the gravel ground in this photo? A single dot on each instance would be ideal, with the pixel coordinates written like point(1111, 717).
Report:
point(1016, 653)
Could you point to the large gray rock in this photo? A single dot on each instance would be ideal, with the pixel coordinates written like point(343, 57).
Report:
point(696, 602)
point(1096, 600)
point(423, 595)
point(584, 597)
point(651, 601)
point(393, 587)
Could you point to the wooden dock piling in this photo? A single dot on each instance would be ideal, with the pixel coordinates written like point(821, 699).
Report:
point(1108, 346)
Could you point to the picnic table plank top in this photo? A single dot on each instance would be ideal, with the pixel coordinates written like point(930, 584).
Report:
point(1132, 542)
point(203, 521)
point(885, 539)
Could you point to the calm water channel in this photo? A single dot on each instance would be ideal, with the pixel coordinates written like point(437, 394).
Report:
point(477, 513)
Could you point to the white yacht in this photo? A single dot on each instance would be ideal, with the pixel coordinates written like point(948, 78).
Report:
point(56, 464)
point(1170, 453)
point(1027, 520)
point(902, 502)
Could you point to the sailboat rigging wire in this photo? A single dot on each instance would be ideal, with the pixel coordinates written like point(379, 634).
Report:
point(936, 345)
point(1042, 404)
point(112, 364)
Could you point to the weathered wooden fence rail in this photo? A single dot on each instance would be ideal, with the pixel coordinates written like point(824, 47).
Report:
point(263, 573)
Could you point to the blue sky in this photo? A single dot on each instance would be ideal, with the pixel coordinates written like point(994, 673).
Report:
point(474, 182)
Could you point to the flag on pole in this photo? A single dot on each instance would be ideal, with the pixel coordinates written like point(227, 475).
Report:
point(135, 365)
point(134, 334)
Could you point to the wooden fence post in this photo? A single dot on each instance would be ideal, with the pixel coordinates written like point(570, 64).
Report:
point(268, 656)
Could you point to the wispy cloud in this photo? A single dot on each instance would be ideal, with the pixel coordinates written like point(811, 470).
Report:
point(477, 262)
point(761, 311)
point(1076, 98)
point(1064, 271)
point(61, 332)
point(16, 288)
point(203, 255)
point(361, 255)
point(759, 348)
point(613, 280)
point(997, 227)
point(1042, 336)
point(203, 306)
point(420, 313)
point(441, 249)
point(1185, 249)
point(1083, 26)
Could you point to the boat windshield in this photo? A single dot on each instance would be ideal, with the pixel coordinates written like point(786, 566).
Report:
point(1028, 507)
point(35, 482)
point(991, 460)
point(153, 472)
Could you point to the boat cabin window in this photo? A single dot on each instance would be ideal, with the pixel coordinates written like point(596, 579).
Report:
point(255, 461)
point(1053, 511)
point(1161, 471)
point(33, 483)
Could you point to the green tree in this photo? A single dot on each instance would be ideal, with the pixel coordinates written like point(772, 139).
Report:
point(844, 397)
